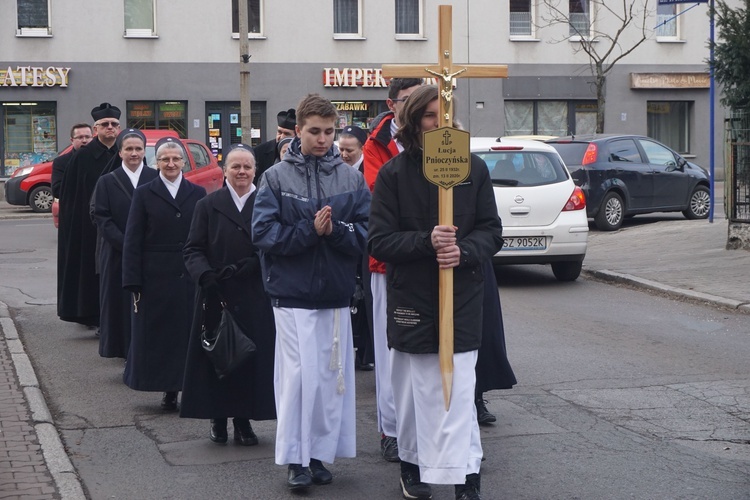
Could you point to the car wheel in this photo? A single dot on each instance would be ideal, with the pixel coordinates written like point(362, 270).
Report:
point(40, 199)
point(567, 271)
point(700, 203)
point(611, 213)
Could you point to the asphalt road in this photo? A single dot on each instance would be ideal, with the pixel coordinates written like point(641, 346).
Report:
point(622, 394)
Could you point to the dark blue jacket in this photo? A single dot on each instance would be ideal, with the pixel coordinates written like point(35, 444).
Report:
point(300, 268)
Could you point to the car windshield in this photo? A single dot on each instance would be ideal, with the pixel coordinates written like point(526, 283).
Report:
point(571, 152)
point(151, 156)
point(523, 168)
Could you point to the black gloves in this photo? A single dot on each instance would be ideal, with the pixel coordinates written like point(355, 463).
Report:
point(210, 281)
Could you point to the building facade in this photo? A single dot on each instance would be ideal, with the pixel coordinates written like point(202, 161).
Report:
point(170, 64)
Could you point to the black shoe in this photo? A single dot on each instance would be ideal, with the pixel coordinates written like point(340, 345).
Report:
point(243, 432)
point(470, 489)
point(169, 401)
point(389, 448)
point(484, 417)
point(299, 477)
point(320, 475)
point(411, 486)
point(218, 430)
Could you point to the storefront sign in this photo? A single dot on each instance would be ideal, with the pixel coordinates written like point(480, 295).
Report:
point(362, 77)
point(34, 76)
point(353, 77)
point(669, 81)
point(352, 106)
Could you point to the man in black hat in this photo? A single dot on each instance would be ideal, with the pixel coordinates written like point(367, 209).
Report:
point(77, 282)
point(267, 154)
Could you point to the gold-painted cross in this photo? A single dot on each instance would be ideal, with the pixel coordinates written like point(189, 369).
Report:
point(446, 72)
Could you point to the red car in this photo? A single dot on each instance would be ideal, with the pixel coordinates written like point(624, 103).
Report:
point(31, 185)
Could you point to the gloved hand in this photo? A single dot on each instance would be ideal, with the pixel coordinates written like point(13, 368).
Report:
point(209, 280)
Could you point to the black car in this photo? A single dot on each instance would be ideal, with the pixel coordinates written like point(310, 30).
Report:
point(624, 175)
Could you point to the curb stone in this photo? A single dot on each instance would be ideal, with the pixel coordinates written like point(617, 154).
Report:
point(613, 276)
point(63, 473)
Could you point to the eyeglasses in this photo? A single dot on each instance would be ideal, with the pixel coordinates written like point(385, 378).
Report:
point(169, 160)
point(108, 124)
point(403, 99)
point(81, 137)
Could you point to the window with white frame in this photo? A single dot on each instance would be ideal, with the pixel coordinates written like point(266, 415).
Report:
point(579, 12)
point(521, 18)
point(254, 17)
point(140, 18)
point(409, 18)
point(33, 18)
point(666, 21)
point(669, 122)
point(347, 18)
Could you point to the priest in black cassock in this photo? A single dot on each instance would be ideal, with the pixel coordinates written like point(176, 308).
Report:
point(77, 282)
point(111, 205)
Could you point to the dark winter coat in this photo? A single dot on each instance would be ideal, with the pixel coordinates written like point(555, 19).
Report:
point(219, 237)
point(493, 369)
point(58, 170)
point(404, 212)
point(111, 208)
point(77, 282)
point(266, 156)
point(152, 263)
point(300, 268)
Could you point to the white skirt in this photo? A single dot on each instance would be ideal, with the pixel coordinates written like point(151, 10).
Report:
point(445, 444)
point(314, 385)
point(383, 389)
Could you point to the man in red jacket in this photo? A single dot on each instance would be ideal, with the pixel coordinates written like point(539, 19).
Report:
point(379, 148)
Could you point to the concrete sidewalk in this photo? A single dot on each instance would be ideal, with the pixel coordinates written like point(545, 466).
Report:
point(682, 258)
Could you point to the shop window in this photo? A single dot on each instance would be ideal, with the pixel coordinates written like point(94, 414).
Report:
point(521, 17)
point(347, 18)
point(33, 18)
point(579, 12)
point(254, 18)
point(409, 18)
point(164, 115)
point(554, 118)
point(140, 18)
point(666, 22)
point(669, 122)
point(29, 134)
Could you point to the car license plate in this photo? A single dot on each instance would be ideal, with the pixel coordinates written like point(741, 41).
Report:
point(525, 243)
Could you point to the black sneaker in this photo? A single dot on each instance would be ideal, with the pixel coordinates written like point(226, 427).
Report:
point(484, 417)
point(389, 448)
point(470, 489)
point(298, 478)
point(411, 486)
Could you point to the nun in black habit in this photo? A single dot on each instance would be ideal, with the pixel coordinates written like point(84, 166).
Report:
point(154, 271)
point(77, 282)
point(220, 246)
point(111, 205)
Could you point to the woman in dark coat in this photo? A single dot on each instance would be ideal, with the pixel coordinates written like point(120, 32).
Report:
point(220, 237)
point(111, 205)
point(154, 270)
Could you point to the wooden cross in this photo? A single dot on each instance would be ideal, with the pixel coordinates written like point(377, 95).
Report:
point(446, 72)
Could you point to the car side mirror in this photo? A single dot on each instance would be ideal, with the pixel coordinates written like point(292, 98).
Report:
point(681, 163)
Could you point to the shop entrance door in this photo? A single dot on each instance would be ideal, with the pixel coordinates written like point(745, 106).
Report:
point(223, 126)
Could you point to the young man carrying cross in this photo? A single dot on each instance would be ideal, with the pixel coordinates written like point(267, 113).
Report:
point(435, 445)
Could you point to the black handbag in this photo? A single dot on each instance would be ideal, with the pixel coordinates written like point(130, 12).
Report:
point(226, 345)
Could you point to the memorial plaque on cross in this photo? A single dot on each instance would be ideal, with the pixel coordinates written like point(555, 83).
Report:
point(446, 161)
